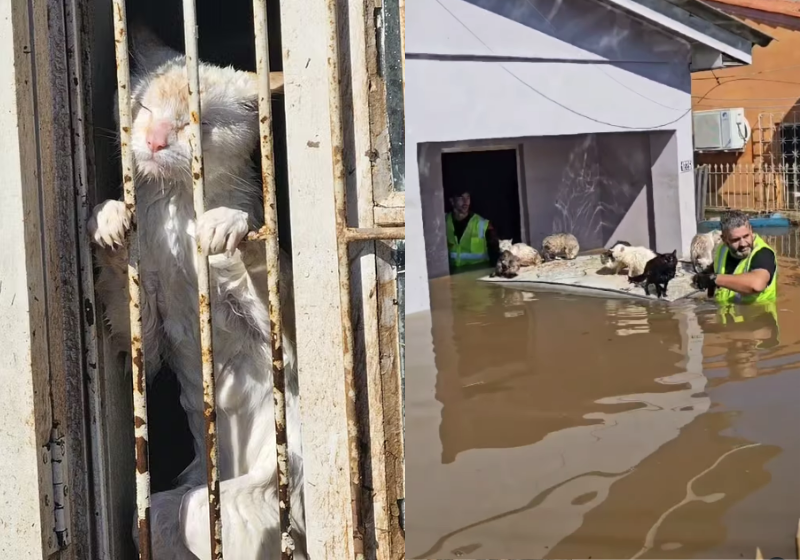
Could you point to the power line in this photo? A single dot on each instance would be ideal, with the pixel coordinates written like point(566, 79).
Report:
point(602, 70)
point(550, 99)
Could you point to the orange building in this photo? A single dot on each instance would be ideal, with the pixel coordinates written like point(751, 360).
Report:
point(765, 175)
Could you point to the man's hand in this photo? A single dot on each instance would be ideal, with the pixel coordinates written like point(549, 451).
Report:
point(704, 281)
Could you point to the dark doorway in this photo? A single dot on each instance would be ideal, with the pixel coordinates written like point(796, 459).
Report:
point(492, 181)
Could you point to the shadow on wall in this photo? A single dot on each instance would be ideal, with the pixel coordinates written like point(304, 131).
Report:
point(597, 187)
point(587, 25)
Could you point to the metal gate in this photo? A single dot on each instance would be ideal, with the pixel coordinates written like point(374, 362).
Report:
point(343, 76)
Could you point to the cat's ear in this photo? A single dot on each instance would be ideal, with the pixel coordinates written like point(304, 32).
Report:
point(248, 89)
point(275, 82)
point(675, 253)
point(248, 95)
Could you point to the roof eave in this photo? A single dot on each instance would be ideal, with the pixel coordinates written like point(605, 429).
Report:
point(698, 22)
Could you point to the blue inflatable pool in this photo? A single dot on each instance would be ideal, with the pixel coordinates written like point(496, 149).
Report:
point(774, 221)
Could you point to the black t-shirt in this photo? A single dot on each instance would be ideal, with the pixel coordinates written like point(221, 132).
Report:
point(460, 225)
point(763, 259)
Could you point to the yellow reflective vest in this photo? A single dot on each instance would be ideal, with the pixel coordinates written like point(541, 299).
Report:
point(471, 248)
point(728, 298)
point(724, 295)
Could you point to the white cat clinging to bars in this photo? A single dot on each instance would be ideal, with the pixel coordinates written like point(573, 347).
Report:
point(167, 231)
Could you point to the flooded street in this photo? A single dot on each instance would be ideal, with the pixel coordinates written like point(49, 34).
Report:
point(542, 425)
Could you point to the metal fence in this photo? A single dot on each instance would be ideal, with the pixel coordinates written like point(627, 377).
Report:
point(747, 187)
point(770, 181)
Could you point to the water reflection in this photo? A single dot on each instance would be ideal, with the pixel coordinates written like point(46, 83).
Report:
point(543, 425)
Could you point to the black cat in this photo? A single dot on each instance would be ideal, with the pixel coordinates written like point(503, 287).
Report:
point(658, 271)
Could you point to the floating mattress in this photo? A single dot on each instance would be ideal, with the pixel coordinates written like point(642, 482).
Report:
point(585, 275)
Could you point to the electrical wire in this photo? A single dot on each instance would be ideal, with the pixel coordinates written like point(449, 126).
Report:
point(549, 22)
point(550, 99)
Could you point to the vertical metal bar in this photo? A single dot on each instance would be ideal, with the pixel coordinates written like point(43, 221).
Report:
point(403, 40)
point(137, 355)
point(273, 273)
point(340, 201)
point(77, 35)
point(203, 289)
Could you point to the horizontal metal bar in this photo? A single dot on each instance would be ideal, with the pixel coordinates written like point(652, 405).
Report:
point(367, 234)
point(350, 234)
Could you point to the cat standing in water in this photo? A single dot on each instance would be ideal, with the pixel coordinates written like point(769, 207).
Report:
point(242, 357)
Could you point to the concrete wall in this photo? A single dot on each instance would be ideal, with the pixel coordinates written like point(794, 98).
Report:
point(575, 68)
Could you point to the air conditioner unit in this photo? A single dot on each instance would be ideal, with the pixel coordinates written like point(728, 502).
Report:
point(720, 130)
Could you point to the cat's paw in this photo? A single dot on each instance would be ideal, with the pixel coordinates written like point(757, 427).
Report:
point(220, 230)
point(109, 223)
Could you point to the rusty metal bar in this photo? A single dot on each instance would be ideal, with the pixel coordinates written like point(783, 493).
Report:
point(340, 200)
point(350, 234)
point(368, 234)
point(135, 295)
point(403, 40)
point(269, 233)
point(203, 288)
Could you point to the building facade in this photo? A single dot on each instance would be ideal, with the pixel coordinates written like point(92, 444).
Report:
point(591, 101)
point(763, 174)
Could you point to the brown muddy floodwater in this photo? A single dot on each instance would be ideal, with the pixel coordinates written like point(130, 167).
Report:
point(541, 425)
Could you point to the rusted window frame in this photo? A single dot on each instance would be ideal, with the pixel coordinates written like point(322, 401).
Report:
point(386, 223)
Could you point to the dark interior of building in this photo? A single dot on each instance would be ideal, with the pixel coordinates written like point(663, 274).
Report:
point(491, 178)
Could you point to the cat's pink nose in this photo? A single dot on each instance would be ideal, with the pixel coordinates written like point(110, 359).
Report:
point(158, 136)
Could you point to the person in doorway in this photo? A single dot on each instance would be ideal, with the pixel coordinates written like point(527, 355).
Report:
point(471, 240)
point(745, 267)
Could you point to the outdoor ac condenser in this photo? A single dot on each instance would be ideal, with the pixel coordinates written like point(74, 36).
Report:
point(720, 130)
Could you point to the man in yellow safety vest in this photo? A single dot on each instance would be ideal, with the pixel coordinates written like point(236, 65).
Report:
point(745, 266)
point(469, 236)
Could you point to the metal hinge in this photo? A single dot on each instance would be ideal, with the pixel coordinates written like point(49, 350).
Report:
point(57, 532)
